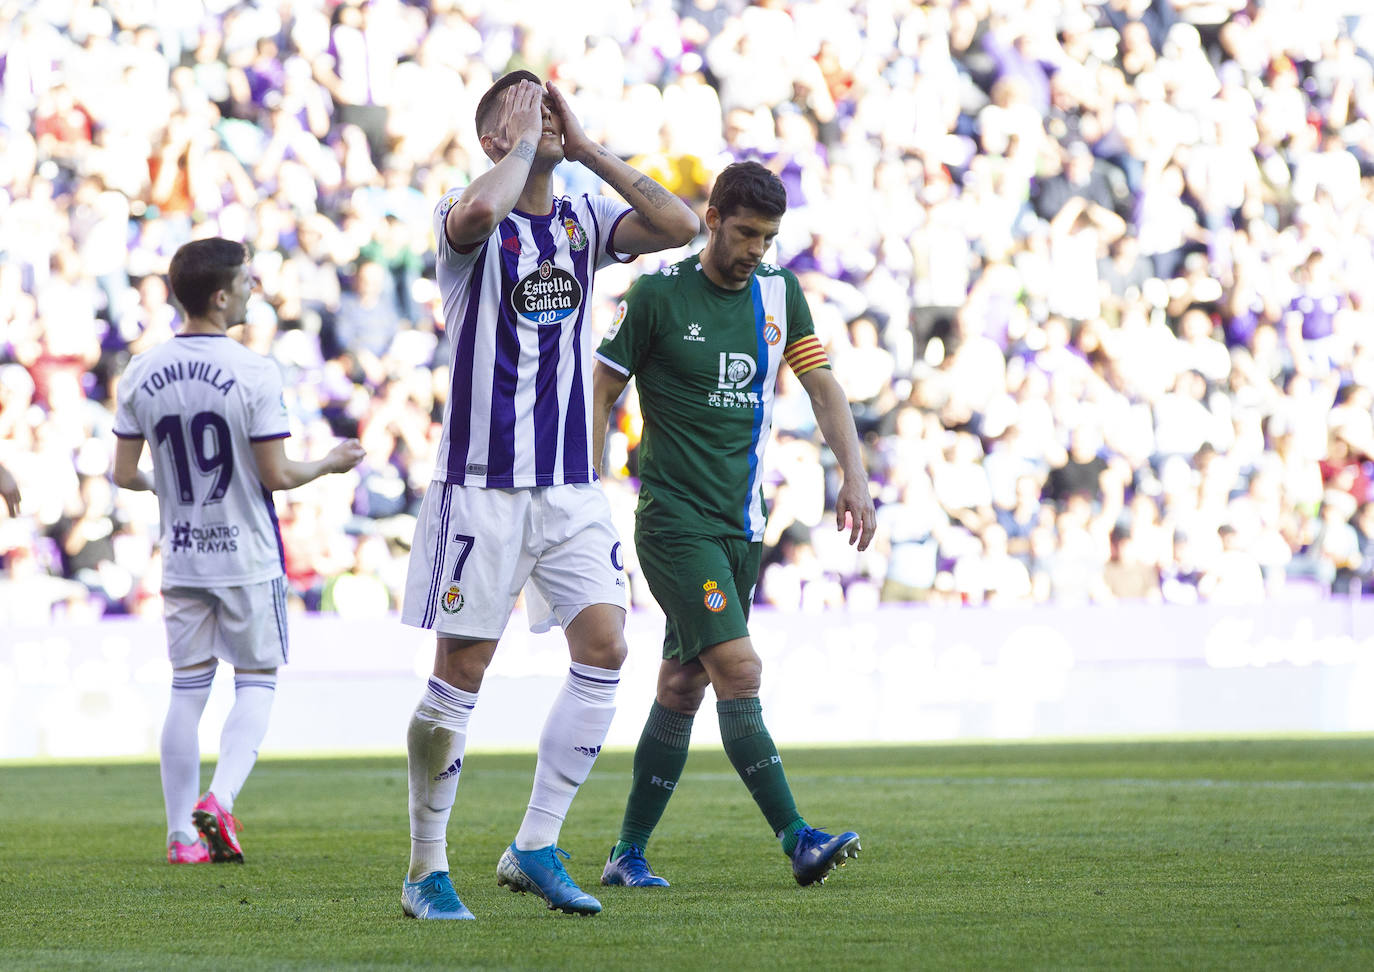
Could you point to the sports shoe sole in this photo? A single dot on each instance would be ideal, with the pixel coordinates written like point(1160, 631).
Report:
point(221, 851)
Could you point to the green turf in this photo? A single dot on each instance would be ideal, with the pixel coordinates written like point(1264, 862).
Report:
point(1172, 854)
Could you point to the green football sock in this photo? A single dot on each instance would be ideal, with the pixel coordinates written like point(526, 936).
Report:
point(788, 835)
point(659, 759)
point(758, 764)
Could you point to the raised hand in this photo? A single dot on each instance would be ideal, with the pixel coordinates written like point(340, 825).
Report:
point(577, 147)
point(522, 116)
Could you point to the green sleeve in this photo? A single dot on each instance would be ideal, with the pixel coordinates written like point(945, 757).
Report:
point(799, 323)
point(631, 333)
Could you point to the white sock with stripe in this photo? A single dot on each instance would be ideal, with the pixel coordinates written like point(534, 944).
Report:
point(572, 737)
point(435, 742)
point(242, 734)
point(180, 747)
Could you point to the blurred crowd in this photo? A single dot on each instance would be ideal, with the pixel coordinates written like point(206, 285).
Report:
point(1097, 277)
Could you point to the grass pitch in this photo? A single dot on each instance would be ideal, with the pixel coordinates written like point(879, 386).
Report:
point(1180, 854)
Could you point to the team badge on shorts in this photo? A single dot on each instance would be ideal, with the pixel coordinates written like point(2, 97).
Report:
point(452, 600)
point(771, 332)
point(715, 598)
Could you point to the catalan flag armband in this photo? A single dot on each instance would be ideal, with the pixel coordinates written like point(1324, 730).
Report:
point(806, 354)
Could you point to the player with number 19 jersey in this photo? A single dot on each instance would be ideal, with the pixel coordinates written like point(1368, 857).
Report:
point(200, 401)
point(708, 358)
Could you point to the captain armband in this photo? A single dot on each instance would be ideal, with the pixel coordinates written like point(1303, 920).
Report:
point(806, 354)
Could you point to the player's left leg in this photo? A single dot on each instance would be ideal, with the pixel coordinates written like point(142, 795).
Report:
point(579, 574)
point(735, 670)
point(568, 746)
point(239, 740)
point(251, 626)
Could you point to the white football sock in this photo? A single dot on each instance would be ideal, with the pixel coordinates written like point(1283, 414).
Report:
point(181, 747)
point(242, 734)
point(568, 746)
point(435, 742)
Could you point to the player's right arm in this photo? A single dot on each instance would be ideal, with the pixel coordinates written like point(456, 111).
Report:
point(126, 471)
point(607, 385)
point(619, 356)
point(490, 197)
point(278, 472)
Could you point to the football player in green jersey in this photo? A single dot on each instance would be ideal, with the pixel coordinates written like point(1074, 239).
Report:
point(706, 338)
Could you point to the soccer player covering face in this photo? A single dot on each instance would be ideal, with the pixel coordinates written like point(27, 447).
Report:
point(706, 338)
point(213, 416)
point(514, 497)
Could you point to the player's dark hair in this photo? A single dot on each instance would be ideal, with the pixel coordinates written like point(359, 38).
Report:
point(200, 268)
point(748, 185)
point(486, 107)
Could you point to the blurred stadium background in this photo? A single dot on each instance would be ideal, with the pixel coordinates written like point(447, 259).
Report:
point(1097, 277)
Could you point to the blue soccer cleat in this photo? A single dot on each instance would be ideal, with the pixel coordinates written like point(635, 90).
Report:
point(540, 872)
point(631, 870)
point(818, 853)
point(433, 897)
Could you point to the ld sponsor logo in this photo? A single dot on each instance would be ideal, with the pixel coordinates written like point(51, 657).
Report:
point(736, 371)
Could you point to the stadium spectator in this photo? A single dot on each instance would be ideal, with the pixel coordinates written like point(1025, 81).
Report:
point(921, 139)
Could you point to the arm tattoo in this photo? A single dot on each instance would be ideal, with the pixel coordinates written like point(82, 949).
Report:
point(523, 150)
point(655, 194)
point(597, 163)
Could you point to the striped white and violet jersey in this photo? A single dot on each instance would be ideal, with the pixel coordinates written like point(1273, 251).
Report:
point(517, 312)
point(201, 401)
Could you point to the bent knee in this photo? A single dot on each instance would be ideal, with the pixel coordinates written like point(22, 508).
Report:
point(607, 650)
point(741, 679)
point(682, 693)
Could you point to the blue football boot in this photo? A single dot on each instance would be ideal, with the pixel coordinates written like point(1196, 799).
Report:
point(433, 897)
point(540, 872)
point(818, 853)
point(631, 870)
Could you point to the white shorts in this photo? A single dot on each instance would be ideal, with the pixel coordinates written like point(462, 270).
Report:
point(475, 547)
point(245, 626)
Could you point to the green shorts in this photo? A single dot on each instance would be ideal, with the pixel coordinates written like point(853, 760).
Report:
point(705, 586)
